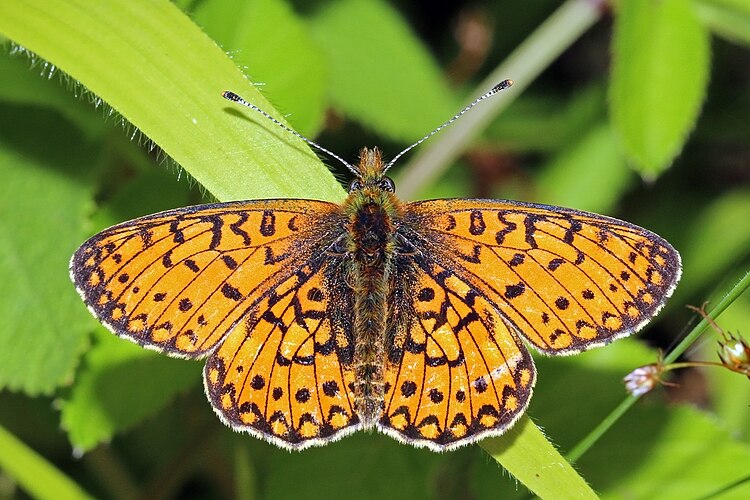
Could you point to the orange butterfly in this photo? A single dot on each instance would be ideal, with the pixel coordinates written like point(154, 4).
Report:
point(318, 320)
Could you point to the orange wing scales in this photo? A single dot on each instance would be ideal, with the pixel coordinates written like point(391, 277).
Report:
point(280, 375)
point(458, 373)
point(180, 280)
point(566, 280)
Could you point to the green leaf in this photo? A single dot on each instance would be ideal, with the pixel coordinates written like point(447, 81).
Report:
point(267, 38)
point(525, 451)
point(38, 477)
point(161, 72)
point(381, 74)
point(727, 18)
point(21, 84)
point(42, 210)
point(120, 385)
point(660, 73)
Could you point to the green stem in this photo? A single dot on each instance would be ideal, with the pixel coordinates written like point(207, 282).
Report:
point(692, 364)
point(245, 481)
point(35, 475)
point(533, 56)
point(723, 491)
point(596, 433)
point(730, 297)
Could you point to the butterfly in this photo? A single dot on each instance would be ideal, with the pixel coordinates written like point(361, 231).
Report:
point(317, 319)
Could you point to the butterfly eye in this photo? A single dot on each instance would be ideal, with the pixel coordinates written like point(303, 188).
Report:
point(355, 185)
point(386, 184)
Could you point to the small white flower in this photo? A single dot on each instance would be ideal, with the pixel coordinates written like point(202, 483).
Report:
point(642, 379)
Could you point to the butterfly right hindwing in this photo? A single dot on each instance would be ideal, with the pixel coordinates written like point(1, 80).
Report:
point(456, 373)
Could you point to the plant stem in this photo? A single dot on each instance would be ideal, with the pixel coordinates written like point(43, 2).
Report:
point(730, 297)
point(533, 56)
point(596, 433)
point(33, 473)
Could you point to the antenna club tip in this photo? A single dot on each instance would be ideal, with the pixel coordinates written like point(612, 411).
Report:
point(502, 85)
point(230, 96)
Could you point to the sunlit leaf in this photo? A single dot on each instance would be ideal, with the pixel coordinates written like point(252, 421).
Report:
point(661, 64)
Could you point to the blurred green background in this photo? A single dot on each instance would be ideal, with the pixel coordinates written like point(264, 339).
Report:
point(112, 110)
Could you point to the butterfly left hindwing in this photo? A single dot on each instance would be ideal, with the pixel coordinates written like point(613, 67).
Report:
point(285, 373)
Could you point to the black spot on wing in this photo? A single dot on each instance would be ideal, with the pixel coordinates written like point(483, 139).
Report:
point(268, 223)
point(508, 229)
point(435, 395)
point(229, 262)
point(190, 263)
point(426, 295)
point(257, 382)
point(236, 228)
point(513, 291)
point(178, 235)
point(477, 225)
point(408, 389)
point(231, 292)
point(517, 260)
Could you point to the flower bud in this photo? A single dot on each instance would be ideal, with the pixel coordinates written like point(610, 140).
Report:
point(642, 379)
point(734, 353)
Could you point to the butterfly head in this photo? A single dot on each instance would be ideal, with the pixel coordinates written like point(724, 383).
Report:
point(371, 179)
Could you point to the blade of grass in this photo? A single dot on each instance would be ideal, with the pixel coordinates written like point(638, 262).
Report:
point(527, 454)
point(155, 67)
point(33, 473)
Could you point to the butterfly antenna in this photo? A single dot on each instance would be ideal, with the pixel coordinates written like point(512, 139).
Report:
point(231, 96)
point(494, 90)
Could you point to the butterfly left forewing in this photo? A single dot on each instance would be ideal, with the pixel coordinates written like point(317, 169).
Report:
point(567, 280)
point(178, 281)
point(455, 373)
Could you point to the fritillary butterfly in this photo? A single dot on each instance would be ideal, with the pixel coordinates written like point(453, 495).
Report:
point(318, 319)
